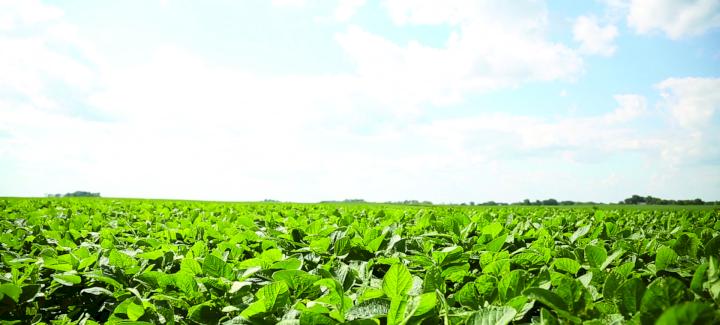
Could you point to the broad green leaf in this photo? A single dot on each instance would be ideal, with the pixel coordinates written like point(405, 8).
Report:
point(189, 264)
point(287, 264)
point(665, 257)
point(87, 261)
point(493, 229)
point(425, 303)
point(629, 296)
point(298, 281)
point(397, 281)
point(582, 231)
point(492, 315)
point(612, 282)
point(688, 313)
point(59, 267)
point(121, 260)
point(368, 309)
point(468, 296)
point(595, 255)
point(135, 311)
point(185, 281)
point(699, 278)
point(496, 244)
point(396, 312)
point(152, 255)
point(547, 297)
point(433, 280)
point(214, 266)
point(10, 290)
point(660, 295)
point(447, 255)
point(512, 284)
point(204, 313)
point(320, 245)
point(712, 247)
point(567, 264)
point(310, 318)
point(611, 258)
point(67, 279)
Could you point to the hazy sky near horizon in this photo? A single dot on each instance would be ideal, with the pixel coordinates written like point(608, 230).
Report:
point(308, 100)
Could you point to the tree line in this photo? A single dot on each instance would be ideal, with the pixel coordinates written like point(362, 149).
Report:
point(76, 194)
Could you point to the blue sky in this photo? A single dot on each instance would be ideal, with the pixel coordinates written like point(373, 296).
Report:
point(308, 100)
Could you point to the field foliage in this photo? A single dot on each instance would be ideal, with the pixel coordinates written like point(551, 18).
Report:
point(164, 262)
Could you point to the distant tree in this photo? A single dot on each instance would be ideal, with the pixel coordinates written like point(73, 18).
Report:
point(550, 202)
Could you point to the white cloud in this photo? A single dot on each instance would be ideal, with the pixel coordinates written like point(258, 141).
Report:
point(31, 62)
point(675, 18)
point(288, 3)
point(692, 102)
point(493, 45)
point(631, 107)
point(26, 12)
point(594, 39)
point(346, 9)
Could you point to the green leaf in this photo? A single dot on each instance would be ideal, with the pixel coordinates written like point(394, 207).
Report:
point(135, 311)
point(425, 303)
point(629, 296)
point(214, 266)
point(582, 231)
point(87, 261)
point(665, 257)
point(63, 267)
point(433, 280)
point(547, 318)
point(492, 230)
point(190, 265)
point(368, 309)
point(67, 279)
point(396, 312)
point(611, 258)
point(268, 298)
point(468, 296)
point(397, 281)
point(447, 255)
point(595, 255)
point(567, 264)
point(299, 281)
point(612, 282)
point(121, 260)
point(185, 281)
point(688, 313)
point(97, 291)
point(204, 314)
point(320, 245)
point(547, 297)
point(712, 246)
point(11, 290)
point(310, 318)
point(699, 278)
point(287, 264)
point(660, 295)
point(512, 284)
point(492, 315)
point(153, 255)
point(496, 244)
point(104, 279)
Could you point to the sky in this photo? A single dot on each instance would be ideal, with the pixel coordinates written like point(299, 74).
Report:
point(386, 100)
